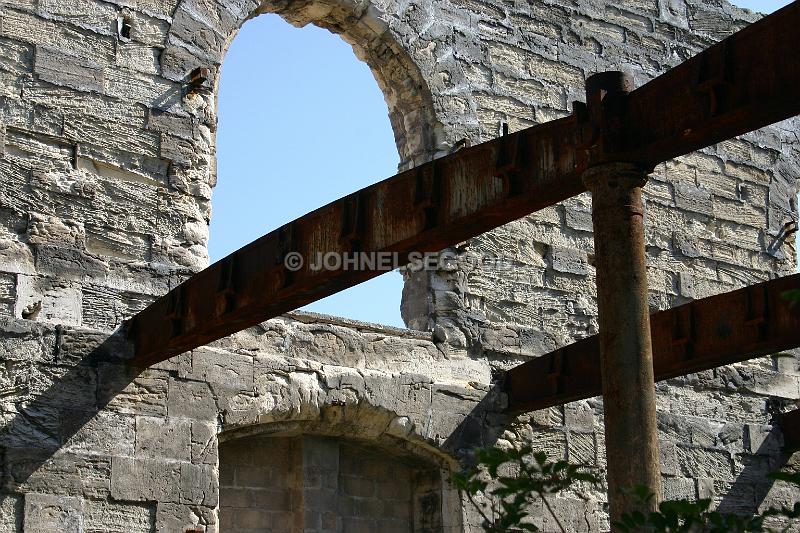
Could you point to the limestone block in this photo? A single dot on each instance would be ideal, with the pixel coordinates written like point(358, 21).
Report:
point(58, 386)
point(578, 218)
point(579, 416)
point(568, 260)
point(762, 439)
point(107, 517)
point(145, 480)
point(25, 340)
point(177, 125)
point(62, 69)
point(195, 33)
point(199, 484)
point(168, 438)
point(103, 432)
point(48, 300)
point(191, 399)
point(183, 517)
point(692, 198)
point(88, 348)
point(678, 488)
point(775, 384)
point(111, 133)
point(668, 459)
point(106, 309)
point(45, 513)
point(581, 448)
point(122, 390)
point(89, 46)
point(138, 57)
point(11, 513)
point(177, 63)
point(41, 470)
point(222, 369)
point(98, 16)
point(146, 29)
point(705, 462)
point(204, 443)
point(153, 91)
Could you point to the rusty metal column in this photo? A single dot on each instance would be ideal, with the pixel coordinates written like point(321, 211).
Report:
point(625, 347)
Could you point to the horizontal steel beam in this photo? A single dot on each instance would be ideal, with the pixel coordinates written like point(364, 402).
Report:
point(746, 82)
point(704, 334)
point(790, 427)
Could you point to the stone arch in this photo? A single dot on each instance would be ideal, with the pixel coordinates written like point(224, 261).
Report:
point(202, 30)
point(333, 405)
point(335, 466)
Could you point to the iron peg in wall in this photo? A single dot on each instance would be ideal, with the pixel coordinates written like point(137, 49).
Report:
point(197, 79)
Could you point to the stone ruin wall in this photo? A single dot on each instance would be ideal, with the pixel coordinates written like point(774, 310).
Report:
point(107, 167)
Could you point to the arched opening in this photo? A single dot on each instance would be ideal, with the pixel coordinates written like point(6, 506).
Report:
point(309, 483)
point(301, 122)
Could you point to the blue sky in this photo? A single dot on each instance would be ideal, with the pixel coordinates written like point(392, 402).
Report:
point(762, 6)
point(302, 122)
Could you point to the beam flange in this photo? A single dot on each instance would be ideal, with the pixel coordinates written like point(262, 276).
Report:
point(704, 334)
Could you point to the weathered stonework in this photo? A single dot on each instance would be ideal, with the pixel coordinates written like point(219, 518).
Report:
point(107, 165)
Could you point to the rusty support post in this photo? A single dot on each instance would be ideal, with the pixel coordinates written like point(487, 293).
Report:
point(625, 346)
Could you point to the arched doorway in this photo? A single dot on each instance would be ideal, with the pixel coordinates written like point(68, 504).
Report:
point(293, 484)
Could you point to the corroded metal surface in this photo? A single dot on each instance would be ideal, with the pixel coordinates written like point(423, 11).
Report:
point(626, 357)
point(745, 82)
point(704, 334)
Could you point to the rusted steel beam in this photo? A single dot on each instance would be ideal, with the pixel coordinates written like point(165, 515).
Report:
point(790, 426)
point(747, 83)
point(700, 335)
point(425, 209)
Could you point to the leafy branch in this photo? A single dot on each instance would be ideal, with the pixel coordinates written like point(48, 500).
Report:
point(505, 483)
point(684, 516)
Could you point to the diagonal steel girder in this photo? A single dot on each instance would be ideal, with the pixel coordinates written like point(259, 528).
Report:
point(743, 83)
point(704, 334)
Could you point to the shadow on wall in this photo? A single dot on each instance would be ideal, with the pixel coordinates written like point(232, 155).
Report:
point(68, 392)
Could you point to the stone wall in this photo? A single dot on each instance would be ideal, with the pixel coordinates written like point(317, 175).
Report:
point(107, 165)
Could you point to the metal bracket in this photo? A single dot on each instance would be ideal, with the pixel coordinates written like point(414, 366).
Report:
point(226, 290)
point(352, 222)
point(712, 76)
point(558, 374)
point(757, 309)
point(197, 80)
point(176, 311)
point(427, 193)
point(507, 164)
point(683, 330)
